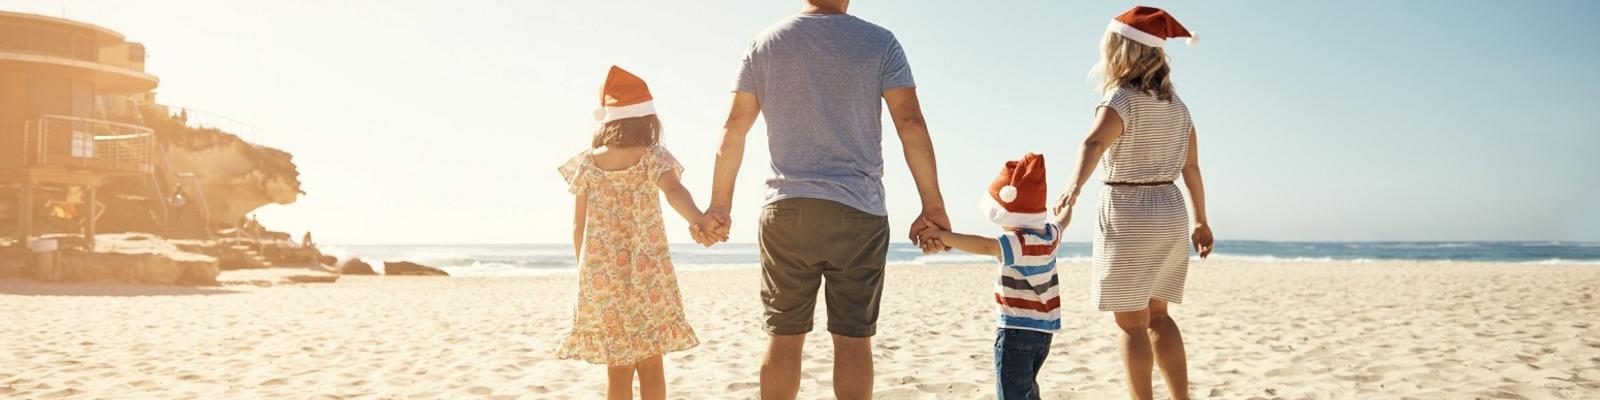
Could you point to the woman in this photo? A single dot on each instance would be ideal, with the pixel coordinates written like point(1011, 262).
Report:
point(1144, 140)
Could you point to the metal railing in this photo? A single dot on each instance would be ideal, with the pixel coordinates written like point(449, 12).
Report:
point(56, 140)
point(201, 119)
point(198, 196)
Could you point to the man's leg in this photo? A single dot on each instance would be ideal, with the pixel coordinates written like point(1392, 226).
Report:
point(780, 370)
point(854, 272)
point(852, 367)
point(790, 280)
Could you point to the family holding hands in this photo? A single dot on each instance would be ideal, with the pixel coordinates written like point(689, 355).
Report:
point(820, 79)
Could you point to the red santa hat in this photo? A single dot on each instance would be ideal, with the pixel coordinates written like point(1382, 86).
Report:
point(1017, 196)
point(623, 96)
point(1150, 26)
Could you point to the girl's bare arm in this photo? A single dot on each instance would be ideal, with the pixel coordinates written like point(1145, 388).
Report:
point(678, 197)
point(579, 217)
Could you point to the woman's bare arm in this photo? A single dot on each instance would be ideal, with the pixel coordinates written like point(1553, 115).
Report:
point(579, 217)
point(1197, 197)
point(1106, 130)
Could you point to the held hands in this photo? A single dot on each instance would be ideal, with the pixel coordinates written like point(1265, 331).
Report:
point(1064, 204)
point(925, 230)
point(711, 228)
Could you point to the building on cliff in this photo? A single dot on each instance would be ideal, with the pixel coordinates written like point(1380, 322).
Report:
point(60, 81)
point(86, 149)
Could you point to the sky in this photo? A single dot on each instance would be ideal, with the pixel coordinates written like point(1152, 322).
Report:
point(444, 122)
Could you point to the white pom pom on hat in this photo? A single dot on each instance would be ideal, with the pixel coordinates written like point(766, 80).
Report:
point(1008, 194)
point(1193, 40)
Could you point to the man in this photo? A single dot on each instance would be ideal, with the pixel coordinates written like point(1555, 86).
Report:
point(818, 78)
point(179, 203)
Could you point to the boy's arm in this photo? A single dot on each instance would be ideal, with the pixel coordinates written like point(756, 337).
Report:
point(1062, 217)
point(968, 243)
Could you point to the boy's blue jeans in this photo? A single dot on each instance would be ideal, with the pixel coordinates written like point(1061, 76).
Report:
point(1018, 355)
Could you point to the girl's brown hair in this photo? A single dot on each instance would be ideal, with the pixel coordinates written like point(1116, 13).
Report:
point(1132, 65)
point(629, 132)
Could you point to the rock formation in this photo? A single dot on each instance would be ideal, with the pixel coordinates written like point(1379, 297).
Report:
point(411, 268)
point(132, 258)
point(355, 266)
point(235, 176)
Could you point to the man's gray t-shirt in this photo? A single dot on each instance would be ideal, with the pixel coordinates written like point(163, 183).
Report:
point(820, 79)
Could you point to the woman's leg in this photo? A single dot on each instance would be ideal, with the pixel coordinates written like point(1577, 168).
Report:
point(1168, 346)
point(619, 382)
point(1136, 359)
point(652, 379)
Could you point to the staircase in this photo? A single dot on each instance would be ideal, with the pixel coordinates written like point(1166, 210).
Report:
point(249, 256)
point(190, 225)
point(241, 254)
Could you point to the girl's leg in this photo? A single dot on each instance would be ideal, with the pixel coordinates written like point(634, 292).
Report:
point(1168, 346)
point(619, 382)
point(1136, 358)
point(652, 379)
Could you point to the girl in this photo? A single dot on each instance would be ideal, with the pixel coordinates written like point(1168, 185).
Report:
point(1141, 258)
point(628, 311)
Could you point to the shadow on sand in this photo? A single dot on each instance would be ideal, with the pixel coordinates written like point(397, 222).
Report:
point(23, 287)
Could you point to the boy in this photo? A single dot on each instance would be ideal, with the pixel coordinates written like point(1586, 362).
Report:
point(1028, 301)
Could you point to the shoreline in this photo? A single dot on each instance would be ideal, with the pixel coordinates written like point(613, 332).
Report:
point(1289, 330)
point(571, 270)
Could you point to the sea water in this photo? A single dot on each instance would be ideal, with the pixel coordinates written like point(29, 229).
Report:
point(539, 259)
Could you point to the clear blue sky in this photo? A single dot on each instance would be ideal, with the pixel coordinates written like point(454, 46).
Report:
point(429, 122)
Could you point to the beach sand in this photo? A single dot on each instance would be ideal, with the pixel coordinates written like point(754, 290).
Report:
point(1253, 330)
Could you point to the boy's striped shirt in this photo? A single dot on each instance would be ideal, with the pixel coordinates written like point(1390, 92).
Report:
point(1027, 290)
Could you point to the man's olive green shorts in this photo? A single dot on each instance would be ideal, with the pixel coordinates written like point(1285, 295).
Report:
point(807, 241)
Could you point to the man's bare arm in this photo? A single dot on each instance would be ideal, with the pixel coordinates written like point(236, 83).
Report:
point(906, 111)
point(742, 115)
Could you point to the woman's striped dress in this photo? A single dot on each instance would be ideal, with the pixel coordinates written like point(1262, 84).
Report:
point(1141, 246)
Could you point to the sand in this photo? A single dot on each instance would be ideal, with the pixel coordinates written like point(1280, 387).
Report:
point(1254, 330)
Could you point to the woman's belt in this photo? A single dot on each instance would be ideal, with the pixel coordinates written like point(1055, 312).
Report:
point(1138, 183)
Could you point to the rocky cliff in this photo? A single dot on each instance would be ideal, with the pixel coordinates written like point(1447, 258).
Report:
point(235, 176)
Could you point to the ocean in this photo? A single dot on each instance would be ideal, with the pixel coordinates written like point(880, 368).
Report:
point(540, 259)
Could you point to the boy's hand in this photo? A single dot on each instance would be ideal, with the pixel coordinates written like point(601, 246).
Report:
point(922, 238)
point(1064, 217)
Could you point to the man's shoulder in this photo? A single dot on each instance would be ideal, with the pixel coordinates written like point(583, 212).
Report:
point(803, 22)
point(870, 27)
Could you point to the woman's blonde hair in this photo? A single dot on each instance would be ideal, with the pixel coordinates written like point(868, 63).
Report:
point(628, 132)
point(1131, 65)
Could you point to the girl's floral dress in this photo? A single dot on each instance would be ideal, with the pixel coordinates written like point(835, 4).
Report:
point(628, 305)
